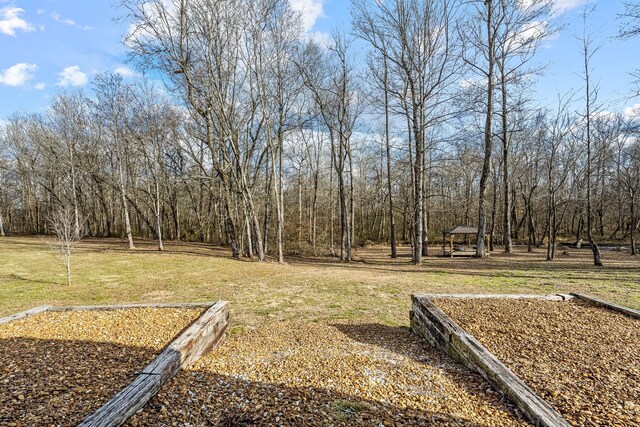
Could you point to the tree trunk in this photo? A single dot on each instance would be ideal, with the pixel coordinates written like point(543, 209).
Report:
point(230, 224)
point(300, 207)
point(267, 203)
point(506, 237)
point(632, 209)
point(67, 264)
point(125, 210)
point(481, 251)
point(597, 256)
point(392, 222)
point(158, 219)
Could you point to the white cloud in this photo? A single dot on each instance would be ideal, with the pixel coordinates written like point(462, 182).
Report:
point(39, 86)
point(632, 112)
point(72, 76)
point(10, 21)
point(322, 38)
point(66, 21)
point(310, 11)
point(18, 74)
point(70, 22)
point(562, 5)
point(468, 84)
point(527, 35)
point(125, 71)
point(604, 114)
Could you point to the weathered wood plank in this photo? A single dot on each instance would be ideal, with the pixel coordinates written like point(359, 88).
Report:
point(126, 306)
point(602, 303)
point(26, 313)
point(440, 330)
point(202, 336)
point(555, 297)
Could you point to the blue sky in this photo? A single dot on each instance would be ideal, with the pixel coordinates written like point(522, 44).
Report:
point(49, 45)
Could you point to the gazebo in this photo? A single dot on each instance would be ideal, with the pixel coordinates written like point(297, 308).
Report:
point(463, 230)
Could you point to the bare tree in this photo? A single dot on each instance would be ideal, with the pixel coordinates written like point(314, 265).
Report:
point(559, 155)
point(523, 26)
point(590, 96)
point(480, 36)
point(416, 39)
point(64, 238)
point(113, 99)
point(630, 26)
point(630, 176)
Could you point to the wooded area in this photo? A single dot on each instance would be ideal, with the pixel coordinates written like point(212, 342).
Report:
point(272, 143)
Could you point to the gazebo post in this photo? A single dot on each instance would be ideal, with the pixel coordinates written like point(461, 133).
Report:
point(444, 243)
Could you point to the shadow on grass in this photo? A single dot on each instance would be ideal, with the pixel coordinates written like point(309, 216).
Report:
point(15, 277)
point(512, 266)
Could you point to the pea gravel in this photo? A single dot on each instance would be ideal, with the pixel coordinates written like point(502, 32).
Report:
point(58, 368)
point(315, 374)
point(583, 359)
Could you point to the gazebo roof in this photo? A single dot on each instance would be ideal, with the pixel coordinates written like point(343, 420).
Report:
point(462, 229)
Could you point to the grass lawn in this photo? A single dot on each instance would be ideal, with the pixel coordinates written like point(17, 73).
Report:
point(372, 288)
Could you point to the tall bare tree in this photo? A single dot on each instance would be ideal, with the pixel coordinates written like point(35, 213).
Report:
point(113, 98)
point(590, 96)
point(416, 39)
point(480, 35)
point(522, 27)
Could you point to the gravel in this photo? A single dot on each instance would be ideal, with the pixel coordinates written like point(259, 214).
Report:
point(317, 374)
point(582, 359)
point(58, 368)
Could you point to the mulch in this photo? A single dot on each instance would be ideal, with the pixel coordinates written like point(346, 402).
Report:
point(59, 367)
point(583, 359)
point(318, 374)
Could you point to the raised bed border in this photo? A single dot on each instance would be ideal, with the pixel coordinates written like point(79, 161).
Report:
point(200, 337)
point(606, 304)
point(27, 313)
point(433, 324)
point(430, 322)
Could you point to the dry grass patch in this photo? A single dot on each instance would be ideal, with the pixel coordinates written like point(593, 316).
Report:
point(374, 287)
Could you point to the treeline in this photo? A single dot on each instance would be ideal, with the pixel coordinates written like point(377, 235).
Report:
point(270, 143)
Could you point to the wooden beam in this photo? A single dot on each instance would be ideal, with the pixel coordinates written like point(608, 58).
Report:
point(204, 335)
point(555, 297)
point(126, 306)
point(441, 331)
point(602, 303)
point(27, 313)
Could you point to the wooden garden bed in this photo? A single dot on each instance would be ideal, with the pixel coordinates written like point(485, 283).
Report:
point(60, 365)
point(562, 360)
